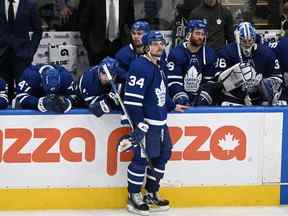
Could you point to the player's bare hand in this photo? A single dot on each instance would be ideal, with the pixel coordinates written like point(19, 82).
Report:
point(181, 108)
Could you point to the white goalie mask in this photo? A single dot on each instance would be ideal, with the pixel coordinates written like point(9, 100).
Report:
point(247, 38)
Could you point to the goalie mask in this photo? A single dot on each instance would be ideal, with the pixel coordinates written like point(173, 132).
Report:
point(50, 79)
point(247, 38)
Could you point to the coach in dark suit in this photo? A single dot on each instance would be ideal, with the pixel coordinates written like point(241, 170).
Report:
point(104, 26)
point(17, 18)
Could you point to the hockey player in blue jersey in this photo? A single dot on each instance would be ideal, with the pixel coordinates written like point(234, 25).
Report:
point(281, 51)
point(131, 51)
point(95, 89)
point(245, 68)
point(4, 101)
point(147, 102)
point(47, 88)
point(191, 65)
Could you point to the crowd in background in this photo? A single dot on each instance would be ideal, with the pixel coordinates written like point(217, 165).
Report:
point(62, 14)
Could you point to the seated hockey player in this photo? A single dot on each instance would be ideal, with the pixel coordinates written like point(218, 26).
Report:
point(4, 101)
point(246, 68)
point(281, 51)
point(191, 68)
point(147, 102)
point(46, 88)
point(131, 51)
point(96, 90)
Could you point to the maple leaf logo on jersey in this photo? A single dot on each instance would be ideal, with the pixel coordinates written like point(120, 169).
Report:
point(229, 142)
point(192, 80)
point(161, 94)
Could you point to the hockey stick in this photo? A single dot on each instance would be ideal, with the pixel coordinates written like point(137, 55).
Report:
point(114, 89)
point(237, 40)
point(247, 98)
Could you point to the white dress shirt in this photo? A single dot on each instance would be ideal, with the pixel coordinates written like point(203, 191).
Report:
point(116, 2)
point(15, 6)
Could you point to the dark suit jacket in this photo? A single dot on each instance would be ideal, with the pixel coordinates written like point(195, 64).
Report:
point(93, 22)
point(27, 19)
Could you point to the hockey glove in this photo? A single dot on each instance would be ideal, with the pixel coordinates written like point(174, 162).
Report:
point(132, 140)
point(112, 100)
point(61, 104)
point(181, 98)
point(99, 107)
point(54, 104)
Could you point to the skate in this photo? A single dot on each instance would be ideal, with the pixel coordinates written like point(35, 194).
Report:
point(137, 205)
point(155, 203)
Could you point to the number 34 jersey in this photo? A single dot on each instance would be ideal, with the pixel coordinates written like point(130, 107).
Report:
point(146, 97)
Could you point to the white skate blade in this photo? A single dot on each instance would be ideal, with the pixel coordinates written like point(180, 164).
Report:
point(131, 209)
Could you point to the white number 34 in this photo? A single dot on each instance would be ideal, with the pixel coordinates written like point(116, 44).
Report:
point(133, 81)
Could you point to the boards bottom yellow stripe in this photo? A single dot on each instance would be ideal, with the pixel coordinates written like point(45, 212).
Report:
point(96, 198)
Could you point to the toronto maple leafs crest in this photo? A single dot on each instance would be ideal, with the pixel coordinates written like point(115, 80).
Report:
point(161, 94)
point(192, 80)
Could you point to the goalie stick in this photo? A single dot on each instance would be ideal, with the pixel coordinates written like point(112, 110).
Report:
point(114, 89)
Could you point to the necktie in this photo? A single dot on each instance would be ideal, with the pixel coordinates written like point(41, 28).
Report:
point(112, 31)
point(11, 15)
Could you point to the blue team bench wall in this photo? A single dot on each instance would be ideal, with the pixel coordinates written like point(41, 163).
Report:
point(284, 110)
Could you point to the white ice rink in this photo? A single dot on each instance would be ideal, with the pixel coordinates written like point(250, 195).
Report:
point(237, 211)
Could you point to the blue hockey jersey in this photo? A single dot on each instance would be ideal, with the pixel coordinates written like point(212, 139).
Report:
point(146, 96)
point(29, 88)
point(90, 86)
point(125, 56)
point(263, 60)
point(281, 51)
point(187, 71)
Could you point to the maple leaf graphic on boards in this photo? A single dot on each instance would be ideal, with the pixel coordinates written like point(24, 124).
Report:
point(229, 142)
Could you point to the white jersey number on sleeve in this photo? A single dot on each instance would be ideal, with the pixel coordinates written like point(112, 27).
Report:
point(276, 65)
point(171, 66)
point(221, 63)
point(23, 85)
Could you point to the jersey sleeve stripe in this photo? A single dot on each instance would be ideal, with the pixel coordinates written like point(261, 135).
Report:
point(133, 103)
point(175, 77)
point(134, 95)
point(89, 98)
point(23, 98)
